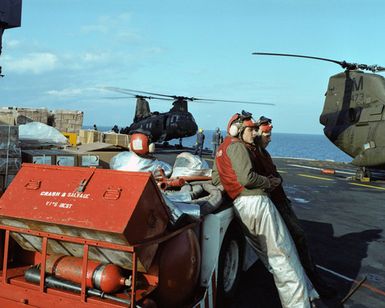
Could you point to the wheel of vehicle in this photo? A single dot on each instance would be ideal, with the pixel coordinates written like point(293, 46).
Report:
point(230, 264)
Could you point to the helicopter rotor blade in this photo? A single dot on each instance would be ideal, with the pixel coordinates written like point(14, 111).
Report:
point(133, 92)
point(134, 95)
point(343, 64)
point(231, 101)
point(117, 97)
point(176, 97)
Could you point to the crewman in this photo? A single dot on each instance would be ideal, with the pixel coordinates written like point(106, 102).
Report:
point(115, 129)
point(140, 157)
point(199, 143)
point(235, 171)
point(216, 141)
point(265, 166)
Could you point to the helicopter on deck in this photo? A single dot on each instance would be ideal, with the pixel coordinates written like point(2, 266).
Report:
point(353, 114)
point(176, 123)
point(10, 17)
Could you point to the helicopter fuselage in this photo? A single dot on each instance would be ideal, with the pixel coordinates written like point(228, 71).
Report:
point(354, 116)
point(167, 125)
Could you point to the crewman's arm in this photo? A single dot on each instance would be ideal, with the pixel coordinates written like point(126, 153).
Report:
point(215, 175)
point(242, 165)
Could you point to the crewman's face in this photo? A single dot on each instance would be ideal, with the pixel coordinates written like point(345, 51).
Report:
point(249, 134)
point(265, 140)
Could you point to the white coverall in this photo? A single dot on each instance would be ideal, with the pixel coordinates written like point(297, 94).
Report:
point(269, 236)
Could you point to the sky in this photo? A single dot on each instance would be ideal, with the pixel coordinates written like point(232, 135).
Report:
point(67, 51)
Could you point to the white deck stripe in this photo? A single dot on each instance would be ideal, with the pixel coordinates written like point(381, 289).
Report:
point(334, 273)
point(316, 168)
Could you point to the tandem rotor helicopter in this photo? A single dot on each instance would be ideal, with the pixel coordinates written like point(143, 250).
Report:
point(353, 114)
point(176, 123)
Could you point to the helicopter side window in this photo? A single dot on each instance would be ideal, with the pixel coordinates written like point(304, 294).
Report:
point(354, 114)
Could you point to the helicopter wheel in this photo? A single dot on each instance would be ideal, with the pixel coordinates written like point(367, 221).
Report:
point(363, 175)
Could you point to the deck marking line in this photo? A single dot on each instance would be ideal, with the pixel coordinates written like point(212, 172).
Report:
point(366, 185)
point(366, 285)
point(316, 168)
point(281, 171)
point(314, 177)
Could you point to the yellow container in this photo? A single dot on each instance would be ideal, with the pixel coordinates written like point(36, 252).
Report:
point(72, 138)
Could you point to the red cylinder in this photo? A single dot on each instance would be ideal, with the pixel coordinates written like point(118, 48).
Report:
point(179, 267)
point(105, 277)
point(176, 182)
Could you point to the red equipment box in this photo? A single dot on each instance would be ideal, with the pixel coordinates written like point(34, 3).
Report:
point(114, 206)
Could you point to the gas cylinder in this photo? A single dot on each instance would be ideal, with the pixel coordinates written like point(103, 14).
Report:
point(105, 277)
point(179, 267)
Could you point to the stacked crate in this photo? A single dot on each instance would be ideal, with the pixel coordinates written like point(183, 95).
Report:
point(116, 139)
point(69, 121)
point(10, 154)
point(90, 136)
point(27, 115)
point(8, 116)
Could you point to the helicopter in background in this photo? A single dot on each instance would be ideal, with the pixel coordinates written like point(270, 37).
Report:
point(10, 17)
point(176, 123)
point(353, 114)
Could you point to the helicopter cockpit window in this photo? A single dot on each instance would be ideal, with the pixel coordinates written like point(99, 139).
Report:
point(174, 119)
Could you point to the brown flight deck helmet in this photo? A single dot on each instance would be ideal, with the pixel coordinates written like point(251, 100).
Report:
point(264, 126)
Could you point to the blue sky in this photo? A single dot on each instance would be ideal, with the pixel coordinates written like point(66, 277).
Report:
point(66, 50)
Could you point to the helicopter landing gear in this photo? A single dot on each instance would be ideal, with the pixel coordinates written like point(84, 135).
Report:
point(180, 145)
point(363, 174)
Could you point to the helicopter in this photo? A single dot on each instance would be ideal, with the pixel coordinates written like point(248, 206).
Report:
point(177, 123)
point(353, 114)
point(10, 17)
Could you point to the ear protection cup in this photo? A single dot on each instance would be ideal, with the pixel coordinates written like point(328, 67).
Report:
point(151, 148)
point(232, 127)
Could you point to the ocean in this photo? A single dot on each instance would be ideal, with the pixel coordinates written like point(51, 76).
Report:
point(305, 146)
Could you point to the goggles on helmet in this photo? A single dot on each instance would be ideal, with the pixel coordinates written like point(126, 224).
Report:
point(249, 123)
point(266, 128)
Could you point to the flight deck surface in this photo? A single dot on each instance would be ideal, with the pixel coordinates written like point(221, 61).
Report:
point(344, 221)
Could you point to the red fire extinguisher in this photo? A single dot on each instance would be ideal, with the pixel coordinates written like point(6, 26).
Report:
point(105, 277)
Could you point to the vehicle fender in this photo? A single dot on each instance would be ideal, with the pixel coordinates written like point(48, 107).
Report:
point(214, 228)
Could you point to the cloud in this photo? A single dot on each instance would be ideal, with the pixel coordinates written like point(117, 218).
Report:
point(68, 92)
point(100, 28)
point(94, 57)
point(106, 24)
point(114, 26)
point(35, 63)
point(12, 44)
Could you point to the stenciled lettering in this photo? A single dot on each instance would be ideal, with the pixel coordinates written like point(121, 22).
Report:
point(359, 85)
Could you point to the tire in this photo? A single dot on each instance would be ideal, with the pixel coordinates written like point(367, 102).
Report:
point(230, 265)
point(363, 173)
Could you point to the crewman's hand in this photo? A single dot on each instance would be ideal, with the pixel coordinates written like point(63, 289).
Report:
point(274, 182)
